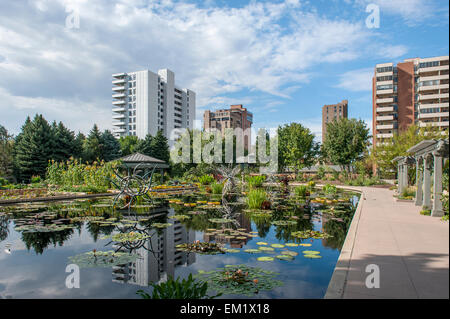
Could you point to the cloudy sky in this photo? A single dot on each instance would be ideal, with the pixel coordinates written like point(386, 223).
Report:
point(282, 59)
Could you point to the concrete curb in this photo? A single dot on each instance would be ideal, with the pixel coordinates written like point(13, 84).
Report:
point(338, 280)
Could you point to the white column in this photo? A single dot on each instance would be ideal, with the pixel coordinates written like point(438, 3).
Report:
point(405, 174)
point(419, 183)
point(437, 187)
point(426, 182)
point(399, 178)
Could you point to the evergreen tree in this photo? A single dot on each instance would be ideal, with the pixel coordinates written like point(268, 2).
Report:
point(93, 145)
point(145, 146)
point(128, 144)
point(33, 148)
point(111, 146)
point(6, 153)
point(160, 147)
point(78, 152)
point(64, 142)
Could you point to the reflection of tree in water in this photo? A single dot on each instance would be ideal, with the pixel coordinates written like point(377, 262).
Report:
point(4, 231)
point(40, 241)
point(283, 233)
point(336, 229)
point(95, 229)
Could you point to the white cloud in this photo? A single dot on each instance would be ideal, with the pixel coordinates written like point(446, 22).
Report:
point(356, 80)
point(262, 47)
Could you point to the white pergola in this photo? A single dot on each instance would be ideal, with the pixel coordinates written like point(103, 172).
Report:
point(429, 155)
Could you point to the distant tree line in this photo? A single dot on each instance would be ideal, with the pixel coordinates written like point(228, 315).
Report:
point(39, 142)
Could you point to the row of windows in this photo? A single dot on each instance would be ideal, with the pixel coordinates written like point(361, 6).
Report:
point(385, 69)
point(386, 78)
point(428, 83)
point(387, 87)
point(428, 64)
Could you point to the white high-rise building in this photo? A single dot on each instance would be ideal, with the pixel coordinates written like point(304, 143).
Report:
point(145, 102)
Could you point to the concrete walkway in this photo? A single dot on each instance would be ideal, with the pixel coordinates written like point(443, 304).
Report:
point(411, 251)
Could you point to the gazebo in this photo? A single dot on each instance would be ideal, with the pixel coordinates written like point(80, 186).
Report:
point(145, 162)
point(428, 156)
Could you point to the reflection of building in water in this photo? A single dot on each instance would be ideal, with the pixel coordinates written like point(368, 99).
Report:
point(158, 256)
point(243, 223)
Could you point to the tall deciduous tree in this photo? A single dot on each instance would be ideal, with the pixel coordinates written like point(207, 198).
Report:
point(128, 144)
point(297, 148)
point(345, 141)
point(33, 148)
point(383, 154)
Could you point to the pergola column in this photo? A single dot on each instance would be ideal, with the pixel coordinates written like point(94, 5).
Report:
point(426, 182)
point(399, 178)
point(419, 182)
point(405, 174)
point(437, 186)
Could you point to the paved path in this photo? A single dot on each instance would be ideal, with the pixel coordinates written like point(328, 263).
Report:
point(411, 250)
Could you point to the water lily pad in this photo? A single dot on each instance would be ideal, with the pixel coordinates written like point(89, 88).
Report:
point(277, 246)
point(263, 248)
point(265, 258)
point(289, 253)
point(261, 243)
point(230, 250)
point(306, 245)
point(285, 257)
point(311, 252)
point(292, 245)
point(241, 237)
point(252, 251)
point(312, 256)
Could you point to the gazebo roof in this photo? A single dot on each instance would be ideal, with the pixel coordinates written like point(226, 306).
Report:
point(145, 161)
point(427, 146)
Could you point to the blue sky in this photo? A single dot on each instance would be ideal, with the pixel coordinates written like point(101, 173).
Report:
point(282, 59)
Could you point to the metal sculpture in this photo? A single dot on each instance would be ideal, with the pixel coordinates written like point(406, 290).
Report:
point(133, 186)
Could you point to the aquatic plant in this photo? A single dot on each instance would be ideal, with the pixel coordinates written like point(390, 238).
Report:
point(205, 248)
point(206, 179)
point(97, 258)
point(127, 237)
point(255, 198)
point(310, 234)
point(329, 189)
point(239, 279)
point(255, 181)
point(284, 222)
point(216, 188)
point(301, 191)
point(175, 289)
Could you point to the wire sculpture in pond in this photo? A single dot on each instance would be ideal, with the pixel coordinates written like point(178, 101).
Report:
point(133, 186)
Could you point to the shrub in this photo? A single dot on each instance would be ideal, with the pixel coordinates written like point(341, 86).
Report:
point(311, 184)
point(206, 179)
point(3, 181)
point(176, 289)
point(256, 198)
point(329, 189)
point(216, 188)
point(35, 179)
point(301, 191)
point(408, 192)
point(255, 181)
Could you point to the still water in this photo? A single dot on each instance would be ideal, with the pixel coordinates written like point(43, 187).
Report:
point(33, 261)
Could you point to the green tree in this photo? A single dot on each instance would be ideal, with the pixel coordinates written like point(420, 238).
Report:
point(345, 141)
point(78, 146)
point(145, 146)
point(33, 148)
point(383, 154)
point(128, 144)
point(296, 147)
point(63, 140)
point(160, 147)
point(93, 145)
point(6, 153)
point(111, 147)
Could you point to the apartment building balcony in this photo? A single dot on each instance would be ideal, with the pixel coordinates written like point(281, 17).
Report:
point(424, 97)
point(433, 69)
point(118, 88)
point(433, 87)
point(385, 100)
point(432, 105)
point(385, 135)
point(119, 75)
point(386, 126)
point(119, 109)
point(118, 116)
point(118, 82)
point(390, 82)
point(433, 77)
point(432, 115)
point(440, 124)
point(385, 118)
point(384, 92)
point(119, 95)
point(389, 73)
point(120, 102)
point(119, 130)
point(385, 109)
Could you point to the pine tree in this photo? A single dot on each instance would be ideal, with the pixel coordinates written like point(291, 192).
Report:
point(6, 158)
point(63, 142)
point(160, 147)
point(111, 146)
point(33, 148)
point(93, 145)
point(145, 146)
point(77, 150)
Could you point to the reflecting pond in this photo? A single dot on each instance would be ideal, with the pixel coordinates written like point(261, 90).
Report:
point(119, 252)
